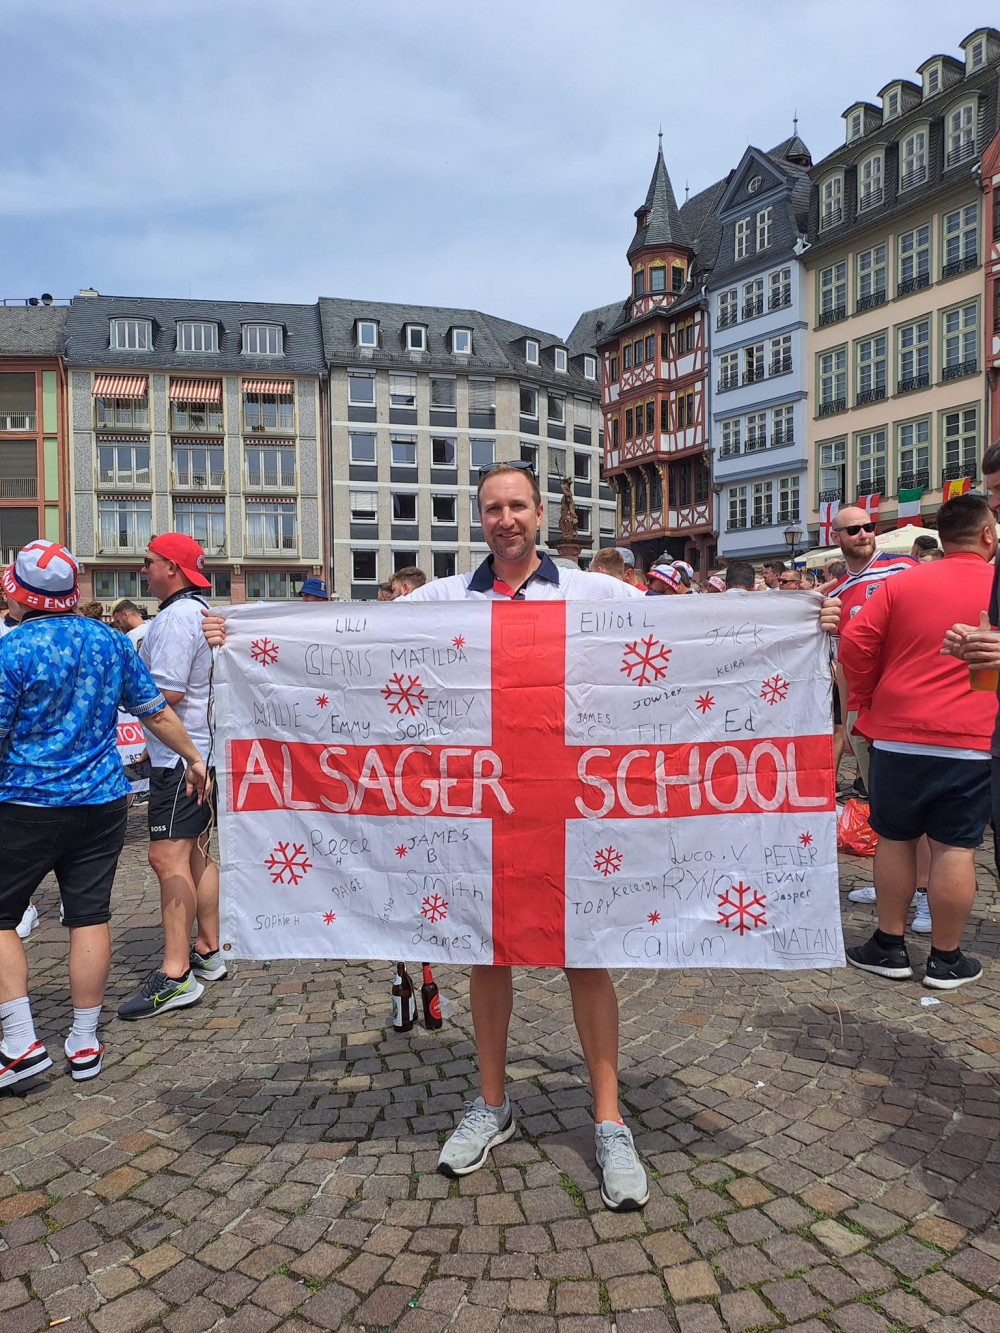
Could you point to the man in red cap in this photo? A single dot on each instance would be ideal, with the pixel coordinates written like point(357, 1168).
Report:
point(180, 829)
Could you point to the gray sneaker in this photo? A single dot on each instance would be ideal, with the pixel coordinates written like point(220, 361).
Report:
point(623, 1180)
point(479, 1130)
point(207, 966)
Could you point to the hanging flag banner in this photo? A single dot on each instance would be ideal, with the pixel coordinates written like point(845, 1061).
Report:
point(542, 783)
point(960, 486)
point(827, 513)
point(869, 503)
point(908, 507)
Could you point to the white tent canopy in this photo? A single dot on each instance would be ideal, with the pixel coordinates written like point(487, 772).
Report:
point(897, 541)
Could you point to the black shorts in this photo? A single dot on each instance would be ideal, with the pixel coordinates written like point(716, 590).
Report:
point(174, 814)
point(911, 794)
point(837, 719)
point(81, 844)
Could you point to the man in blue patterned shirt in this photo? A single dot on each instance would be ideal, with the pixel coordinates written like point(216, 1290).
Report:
point(62, 791)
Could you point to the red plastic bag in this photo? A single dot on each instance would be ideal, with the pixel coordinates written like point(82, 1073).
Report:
point(854, 833)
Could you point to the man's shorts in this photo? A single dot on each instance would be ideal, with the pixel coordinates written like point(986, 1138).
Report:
point(860, 746)
point(174, 814)
point(80, 844)
point(911, 794)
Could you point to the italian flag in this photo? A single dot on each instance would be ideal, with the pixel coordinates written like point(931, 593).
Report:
point(908, 507)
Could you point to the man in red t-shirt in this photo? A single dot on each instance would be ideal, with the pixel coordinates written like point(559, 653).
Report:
point(930, 738)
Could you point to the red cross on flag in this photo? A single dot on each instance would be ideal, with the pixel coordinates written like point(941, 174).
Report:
point(629, 783)
point(827, 512)
point(869, 503)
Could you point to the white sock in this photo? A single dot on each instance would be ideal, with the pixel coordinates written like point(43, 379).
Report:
point(18, 1028)
point(83, 1033)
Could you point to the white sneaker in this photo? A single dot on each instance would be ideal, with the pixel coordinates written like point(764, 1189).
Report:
point(865, 895)
point(29, 922)
point(921, 923)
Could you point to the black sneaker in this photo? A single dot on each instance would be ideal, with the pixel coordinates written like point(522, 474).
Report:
point(161, 993)
point(892, 961)
point(858, 788)
point(947, 976)
point(15, 1068)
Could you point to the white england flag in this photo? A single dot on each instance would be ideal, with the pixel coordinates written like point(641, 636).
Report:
point(543, 783)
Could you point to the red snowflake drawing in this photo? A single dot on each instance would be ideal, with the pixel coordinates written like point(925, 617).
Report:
point(329, 918)
point(774, 689)
point(401, 850)
point(400, 694)
point(745, 911)
point(608, 861)
point(321, 701)
point(805, 839)
point(434, 908)
point(292, 863)
point(264, 651)
point(458, 641)
point(704, 702)
point(653, 918)
point(647, 658)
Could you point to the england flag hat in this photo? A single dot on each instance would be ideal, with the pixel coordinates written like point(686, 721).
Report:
point(43, 577)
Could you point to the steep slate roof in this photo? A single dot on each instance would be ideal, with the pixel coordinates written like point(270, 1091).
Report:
point(497, 344)
point(664, 226)
point(87, 335)
point(592, 326)
point(32, 330)
point(790, 148)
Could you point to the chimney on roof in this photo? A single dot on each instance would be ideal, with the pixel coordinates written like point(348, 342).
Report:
point(89, 291)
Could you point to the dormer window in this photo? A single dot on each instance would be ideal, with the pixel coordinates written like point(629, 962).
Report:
point(590, 367)
point(960, 132)
point(560, 360)
point(531, 352)
point(677, 277)
point(932, 80)
point(263, 340)
point(461, 342)
point(131, 335)
point(367, 333)
point(195, 336)
point(831, 210)
point(913, 159)
point(975, 55)
point(764, 228)
point(870, 182)
point(855, 125)
point(416, 338)
point(890, 105)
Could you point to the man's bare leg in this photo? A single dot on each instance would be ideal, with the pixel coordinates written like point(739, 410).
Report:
point(595, 1012)
point(895, 873)
point(171, 860)
point(205, 875)
point(491, 998)
point(89, 964)
point(951, 888)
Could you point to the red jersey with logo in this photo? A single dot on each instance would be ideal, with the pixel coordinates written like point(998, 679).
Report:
point(855, 589)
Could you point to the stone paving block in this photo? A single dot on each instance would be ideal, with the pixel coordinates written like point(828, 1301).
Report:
point(641, 1291)
point(905, 1309)
point(793, 1298)
point(128, 1313)
point(944, 1292)
point(939, 1231)
point(907, 1256)
point(697, 1319)
point(859, 1319)
point(837, 1240)
point(578, 1298)
point(691, 1282)
point(328, 1307)
point(384, 1307)
point(742, 1310)
point(29, 1318)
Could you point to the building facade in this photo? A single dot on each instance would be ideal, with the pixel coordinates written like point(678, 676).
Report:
point(420, 399)
point(654, 367)
point(34, 492)
point(760, 367)
point(990, 181)
point(894, 290)
point(202, 417)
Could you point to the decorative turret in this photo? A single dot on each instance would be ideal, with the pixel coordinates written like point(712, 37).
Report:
point(660, 253)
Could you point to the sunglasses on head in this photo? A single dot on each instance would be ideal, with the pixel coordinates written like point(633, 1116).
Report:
point(855, 528)
point(519, 465)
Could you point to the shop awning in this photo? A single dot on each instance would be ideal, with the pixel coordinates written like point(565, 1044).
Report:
point(195, 391)
point(269, 386)
point(120, 386)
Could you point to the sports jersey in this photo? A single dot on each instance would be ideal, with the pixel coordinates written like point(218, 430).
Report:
point(179, 659)
point(62, 678)
point(855, 589)
point(548, 583)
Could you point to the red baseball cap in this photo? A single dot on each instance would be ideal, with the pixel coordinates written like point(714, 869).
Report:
point(185, 553)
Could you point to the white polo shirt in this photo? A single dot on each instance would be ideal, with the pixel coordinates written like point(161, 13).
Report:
point(548, 583)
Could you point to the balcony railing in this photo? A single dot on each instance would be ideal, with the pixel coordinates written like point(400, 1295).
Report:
point(913, 382)
point(736, 525)
point(753, 443)
point(752, 376)
point(831, 406)
point(256, 480)
point(908, 480)
point(196, 421)
point(778, 300)
point(959, 370)
point(780, 365)
point(753, 307)
point(916, 284)
point(729, 451)
point(727, 318)
point(956, 471)
point(960, 266)
point(830, 217)
point(832, 315)
point(762, 521)
point(874, 487)
point(870, 200)
point(17, 421)
point(198, 481)
point(288, 546)
point(782, 437)
point(137, 478)
point(870, 301)
point(866, 396)
point(962, 153)
point(833, 496)
point(18, 488)
point(729, 382)
point(788, 516)
point(915, 177)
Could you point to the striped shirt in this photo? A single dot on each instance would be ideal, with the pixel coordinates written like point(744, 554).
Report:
point(855, 589)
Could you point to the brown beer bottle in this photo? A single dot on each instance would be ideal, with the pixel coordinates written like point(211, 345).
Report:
point(431, 1000)
point(404, 1005)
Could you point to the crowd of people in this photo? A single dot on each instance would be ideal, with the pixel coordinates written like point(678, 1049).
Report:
point(911, 646)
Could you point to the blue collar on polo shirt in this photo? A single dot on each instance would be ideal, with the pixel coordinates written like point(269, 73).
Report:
point(484, 580)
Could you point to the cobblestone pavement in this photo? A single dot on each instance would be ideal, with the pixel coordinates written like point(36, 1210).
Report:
point(824, 1154)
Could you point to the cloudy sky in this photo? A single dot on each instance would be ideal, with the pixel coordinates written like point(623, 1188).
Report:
point(487, 155)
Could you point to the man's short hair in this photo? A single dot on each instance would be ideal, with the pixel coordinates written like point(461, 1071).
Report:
point(608, 561)
point(126, 607)
point(775, 566)
point(926, 557)
point(92, 610)
point(740, 574)
point(498, 469)
point(991, 458)
point(410, 574)
point(835, 569)
point(962, 518)
point(925, 542)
